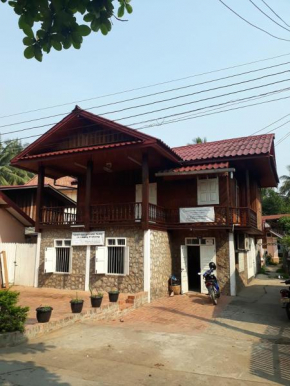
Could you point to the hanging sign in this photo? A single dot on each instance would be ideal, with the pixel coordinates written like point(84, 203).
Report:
point(88, 238)
point(201, 214)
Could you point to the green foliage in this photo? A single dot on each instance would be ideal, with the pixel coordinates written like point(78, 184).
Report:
point(286, 242)
point(274, 203)
point(97, 295)
point(44, 308)
point(199, 140)
point(285, 188)
point(12, 317)
point(8, 174)
point(77, 299)
point(56, 24)
point(284, 222)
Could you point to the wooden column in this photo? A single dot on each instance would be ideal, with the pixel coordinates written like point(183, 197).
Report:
point(248, 193)
point(39, 197)
point(145, 192)
point(87, 208)
point(228, 198)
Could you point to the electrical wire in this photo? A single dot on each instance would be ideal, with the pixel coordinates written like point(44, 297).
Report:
point(162, 92)
point(275, 13)
point(283, 139)
point(145, 87)
point(251, 24)
point(273, 123)
point(269, 17)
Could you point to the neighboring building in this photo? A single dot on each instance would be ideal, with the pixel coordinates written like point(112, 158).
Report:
point(65, 185)
point(13, 221)
point(24, 196)
point(273, 233)
point(158, 210)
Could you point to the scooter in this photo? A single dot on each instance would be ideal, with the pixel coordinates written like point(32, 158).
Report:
point(211, 283)
point(285, 298)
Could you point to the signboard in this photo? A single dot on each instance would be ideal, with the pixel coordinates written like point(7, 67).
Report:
point(201, 214)
point(87, 238)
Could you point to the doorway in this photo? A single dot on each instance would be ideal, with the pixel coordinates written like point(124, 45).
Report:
point(193, 255)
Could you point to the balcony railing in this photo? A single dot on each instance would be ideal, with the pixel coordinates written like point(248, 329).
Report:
point(131, 212)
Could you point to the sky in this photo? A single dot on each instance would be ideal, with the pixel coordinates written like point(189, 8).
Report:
point(162, 41)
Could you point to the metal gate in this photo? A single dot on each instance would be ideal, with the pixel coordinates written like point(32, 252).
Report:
point(20, 262)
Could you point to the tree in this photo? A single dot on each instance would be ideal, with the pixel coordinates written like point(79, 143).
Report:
point(273, 202)
point(199, 140)
point(56, 24)
point(8, 174)
point(285, 188)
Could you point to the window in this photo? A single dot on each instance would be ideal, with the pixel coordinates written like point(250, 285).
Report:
point(208, 191)
point(113, 259)
point(63, 255)
point(242, 242)
point(199, 241)
point(58, 258)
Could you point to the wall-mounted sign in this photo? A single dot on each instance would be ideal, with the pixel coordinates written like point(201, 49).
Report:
point(201, 214)
point(88, 238)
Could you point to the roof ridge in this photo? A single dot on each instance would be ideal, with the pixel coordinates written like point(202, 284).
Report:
point(223, 140)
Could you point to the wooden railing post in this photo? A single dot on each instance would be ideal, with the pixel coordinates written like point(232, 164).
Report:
point(87, 213)
point(39, 197)
point(145, 191)
point(229, 198)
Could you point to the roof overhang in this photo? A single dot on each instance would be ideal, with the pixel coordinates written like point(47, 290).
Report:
point(15, 211)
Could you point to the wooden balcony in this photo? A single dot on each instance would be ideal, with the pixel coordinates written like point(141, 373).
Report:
point(131, 214)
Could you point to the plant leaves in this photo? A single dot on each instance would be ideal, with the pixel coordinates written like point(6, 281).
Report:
point(29, 52)
point(84, 30)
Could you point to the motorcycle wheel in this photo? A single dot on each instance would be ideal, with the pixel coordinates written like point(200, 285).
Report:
point(212, 296)
point(288, 310)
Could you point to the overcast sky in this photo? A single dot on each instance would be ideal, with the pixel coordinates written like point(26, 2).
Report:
point(163, 40)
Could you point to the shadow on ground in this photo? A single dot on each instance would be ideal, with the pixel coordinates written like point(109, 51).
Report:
point(18, 372)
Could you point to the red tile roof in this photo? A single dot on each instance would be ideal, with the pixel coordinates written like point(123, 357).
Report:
point(59, 183)
point(245, 146)
point(196, 168)
point(81, 149)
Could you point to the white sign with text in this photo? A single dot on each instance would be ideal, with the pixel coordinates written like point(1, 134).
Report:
point(202, 214)
point(88, 238)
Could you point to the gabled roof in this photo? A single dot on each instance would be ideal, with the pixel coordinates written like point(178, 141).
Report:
point(275, 216)
point(64, 182)
point(195, 169)
point(228, 148)
point(15, 211)
point(31, 151)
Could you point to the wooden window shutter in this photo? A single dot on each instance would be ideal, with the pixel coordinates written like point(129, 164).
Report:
point(49, 260)
point(101, 260)
point(126, 261)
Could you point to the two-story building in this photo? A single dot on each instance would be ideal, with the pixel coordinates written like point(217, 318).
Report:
point(154, 210)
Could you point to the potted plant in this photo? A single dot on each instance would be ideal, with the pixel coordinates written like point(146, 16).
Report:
point(76, 305)
point(113, 296)
point(43, 314)
point(96, 300)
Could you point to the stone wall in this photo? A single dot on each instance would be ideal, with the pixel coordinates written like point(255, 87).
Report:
point(134, 282)
point(222, 253)
point(161, 263)
point(76, 279)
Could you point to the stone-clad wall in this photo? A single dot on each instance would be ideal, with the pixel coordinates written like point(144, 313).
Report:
point(134, 282)
point(76, 279)
point(73, 281)
point(161, 263)
point(222, 253)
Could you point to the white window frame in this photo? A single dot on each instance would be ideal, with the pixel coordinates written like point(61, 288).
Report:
point(102, 256)
point(70, 255)
point(201, 241)
point(208, 202)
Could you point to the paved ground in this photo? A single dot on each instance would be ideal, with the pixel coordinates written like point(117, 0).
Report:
point(175, 341)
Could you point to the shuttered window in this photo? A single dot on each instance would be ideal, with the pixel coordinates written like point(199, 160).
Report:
point(208, 191)
point(117, 256)
point(62, 256)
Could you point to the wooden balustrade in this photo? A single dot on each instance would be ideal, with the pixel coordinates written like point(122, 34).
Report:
point(132, 213)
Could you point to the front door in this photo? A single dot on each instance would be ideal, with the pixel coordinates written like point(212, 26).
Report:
point(193, 256)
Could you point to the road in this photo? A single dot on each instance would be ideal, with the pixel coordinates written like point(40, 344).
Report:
point(184, 341)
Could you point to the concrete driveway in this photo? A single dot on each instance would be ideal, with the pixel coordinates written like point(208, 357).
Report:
point(174, 341)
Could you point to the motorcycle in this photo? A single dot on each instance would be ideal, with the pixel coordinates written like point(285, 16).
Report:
point(211, 284)
point(285, 298)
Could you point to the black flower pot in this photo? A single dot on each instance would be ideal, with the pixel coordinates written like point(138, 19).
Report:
point(43, 314)
point(76, 307)
point(113, 296)
point(96, 301)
